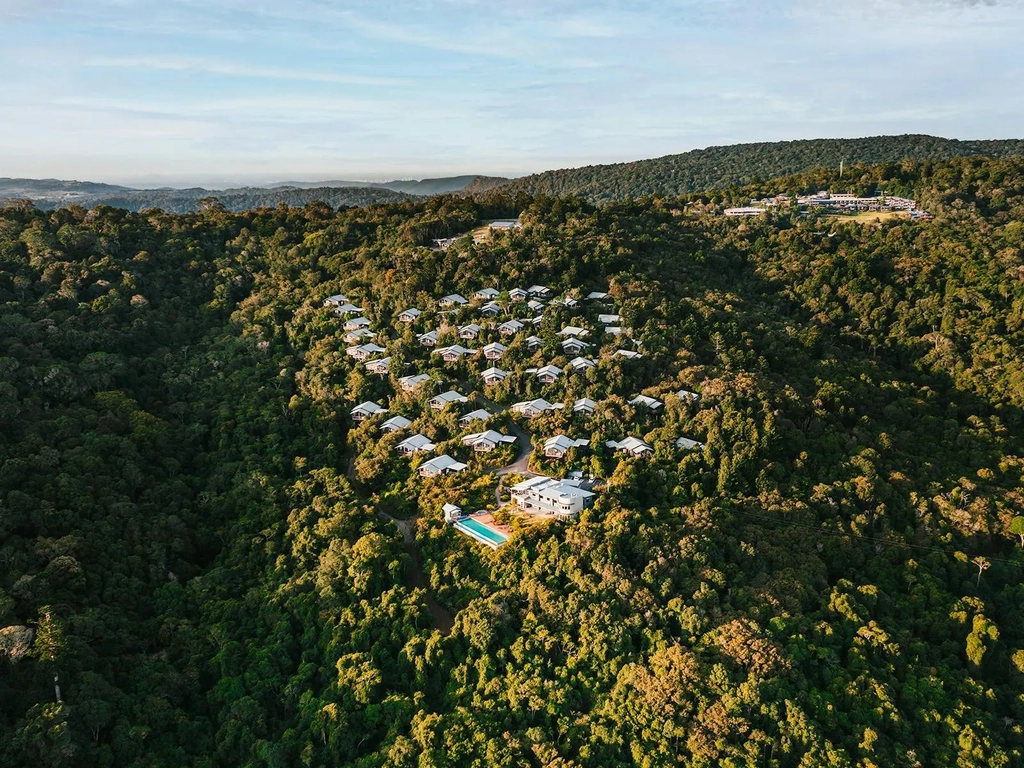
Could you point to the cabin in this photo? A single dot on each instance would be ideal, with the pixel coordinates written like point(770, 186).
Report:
point(531, 408)
point(336, 300)
point(469, 332)
point(687, 396)
point(574, 346)
point(613, 330)
point(487, 294)
point(628, 354)
point(533, 343)
point(454, 352)
point(395, 424)
point(357, 322)
point(581, 363)
point(584, 406)
point(567, 302)
point(348, 309)
point(415, 444)
point(490, 309)
point(441, 465)
point(442, 401)
point(366, 410)
point(355, 336)
point(688, 444)
point(548, 374)
point(381, 365)
point(652, 404)
point(412, 383)
point(452, 300)
point(558, 446)
point(537, 320)
point(428, 339)
point(451, 513)
point(510, 328)
point(572, 330)
point(539, 290)
point(608, 319)
point(557, 498)
point(364, 351)
point(494, 375)
point(494, 350)
point(485, 442)
point(409, 316)
point(631, 446)
point(518, 294)
point(597, 296)
point(534, 305)
point(478, 415)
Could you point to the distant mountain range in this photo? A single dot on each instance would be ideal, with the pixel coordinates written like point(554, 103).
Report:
point(740, 164)
point(701, 169)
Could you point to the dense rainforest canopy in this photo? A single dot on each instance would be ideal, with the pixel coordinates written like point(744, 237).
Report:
point(191, 548)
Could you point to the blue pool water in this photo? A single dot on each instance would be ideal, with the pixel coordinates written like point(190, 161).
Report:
point(481, 532)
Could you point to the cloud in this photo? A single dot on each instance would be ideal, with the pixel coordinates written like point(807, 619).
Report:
point(220, 67)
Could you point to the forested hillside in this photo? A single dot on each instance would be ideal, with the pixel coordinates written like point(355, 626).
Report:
point(739, 164)
point(192, 534)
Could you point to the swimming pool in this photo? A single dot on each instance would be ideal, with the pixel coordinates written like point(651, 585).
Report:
point(482, 533)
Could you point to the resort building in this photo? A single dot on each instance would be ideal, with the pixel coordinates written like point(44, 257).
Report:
point(558, 446)
point(381, 365)
point(485, 442)
point(494, 350)
point(584, 406)
point(409, 316)
point(510, 328)
point(441, 465)
point(487, 294)
point(366, 410)
point(412, 383)
point(531, 408)
point(494, 376)
point(632, 446)
point(442, 401)
point(452, 300)
point(557, 498)
point(415, 444)
point(395, 424)
point(428, 339)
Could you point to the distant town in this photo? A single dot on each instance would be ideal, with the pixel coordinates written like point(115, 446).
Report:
point(839, 202)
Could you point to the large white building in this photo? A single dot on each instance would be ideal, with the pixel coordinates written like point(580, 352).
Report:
point(556, 498)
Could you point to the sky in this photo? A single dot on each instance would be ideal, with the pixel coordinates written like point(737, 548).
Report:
point(219, 92)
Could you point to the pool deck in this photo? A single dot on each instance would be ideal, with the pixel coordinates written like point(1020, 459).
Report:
point(486, 519)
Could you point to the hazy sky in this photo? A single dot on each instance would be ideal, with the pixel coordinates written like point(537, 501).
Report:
point(233, 90)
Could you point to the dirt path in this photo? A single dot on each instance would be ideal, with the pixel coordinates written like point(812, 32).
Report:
point(442, 618)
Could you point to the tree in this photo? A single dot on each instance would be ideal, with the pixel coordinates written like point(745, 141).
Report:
point(1017, 528)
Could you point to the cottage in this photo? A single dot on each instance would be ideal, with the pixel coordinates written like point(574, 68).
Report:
point(428, 339)
point(688, 444)
point(567, 302)
point(442, 401)
point(409, 316)
point(548, 374)
point(348, 309)
point(584, 406)
point(581, 363)
point(597, 296)
point(687, 396)
point(537, 320)
point(487, 294)
point(366, 410)
point(336, 300)
point(632, 446)
point(356, 322)
point(558, 446)
point(494, 350)
point(364, 351)
point(558, 498)
point(490, 309)
point(494, 376)
point(478, 415)
point(534, 305)
point(531, 408)
point(539, 290)
point(381, 365)
point(574, 346)
point(355, 336)
point(485, 442)
point(395, 424)
point(628, 354)
point(415, 444)
point(412, 383)
point(533, 343)
point(452, 300)
point(572, 330)
point(469, 332)
point(613, 330)
point(608, 319)
point(441, 465)
point(650, 403)
point(454, 352)
point(518, 294)
point(510, 328)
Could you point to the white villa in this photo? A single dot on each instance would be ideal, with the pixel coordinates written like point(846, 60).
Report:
point(581, 363)
point(510, 328)
point(535, 305)
point(442, 401)
point(487, 293)
point(415, 444)
point(485, 442)
point(381, 365)
point(574, 346)
point(490, 309)
point(632, 446)
point(348, 309)
point(584, 405)
point(597, 295)
point(395, 424)
point(628, 354)
point(469, 332)
point(572, 330)
point(613, 330)
point(409, 315)
point(478, 415)
point(494, 350)
point(518, 294)
point(366, 410)
point(556, 498)
point(336, 300)
point(650, 403)
point(364, 351)
point(494, 375)
point(687, 396)
point(688, 444)
point(547, 375)
point(533, 342)
point(608, 319)
point(539, 290)
point(441, 465)
point(452, 300)
point(412, 383)
point(428, 339)
point(358, 334)
point(558, 446)
point(357, 322)
point(454, 352)
point(531, 408)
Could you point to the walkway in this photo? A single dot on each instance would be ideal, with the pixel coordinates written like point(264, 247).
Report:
point(520, 465)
